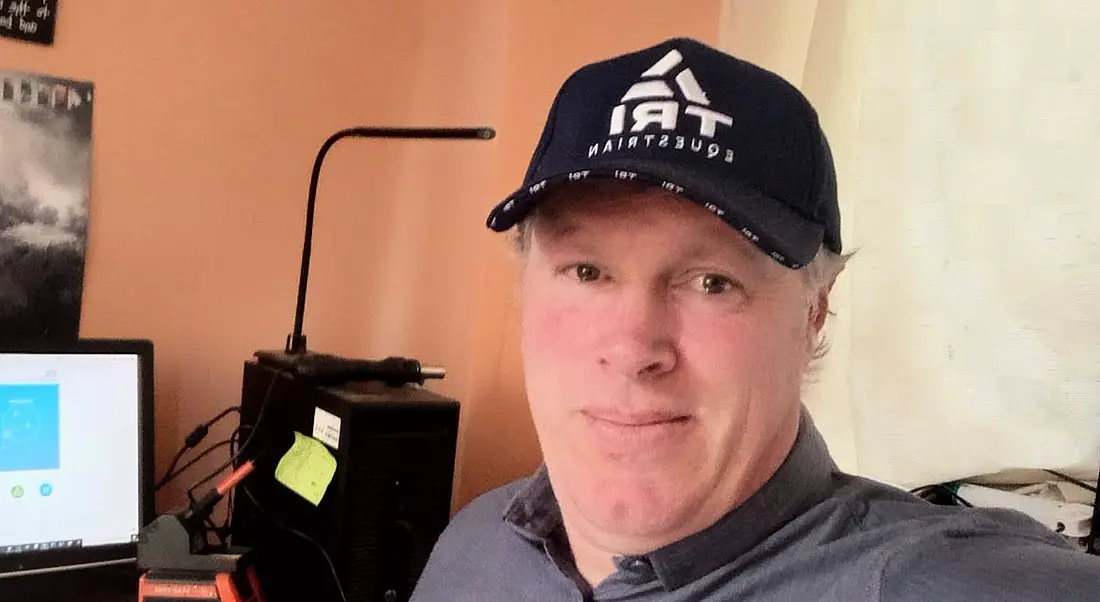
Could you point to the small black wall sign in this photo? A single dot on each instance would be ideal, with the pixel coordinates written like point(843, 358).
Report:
point(28, 20)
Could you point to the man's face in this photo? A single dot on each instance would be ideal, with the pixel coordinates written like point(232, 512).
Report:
point(663, 355)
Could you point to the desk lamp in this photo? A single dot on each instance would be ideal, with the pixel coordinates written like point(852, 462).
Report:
point(296, 341)
point(369, 535)
point(324, 368)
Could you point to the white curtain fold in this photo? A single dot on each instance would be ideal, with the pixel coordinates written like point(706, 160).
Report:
point(967, 137)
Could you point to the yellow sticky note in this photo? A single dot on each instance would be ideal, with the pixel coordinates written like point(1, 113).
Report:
point(306, 468)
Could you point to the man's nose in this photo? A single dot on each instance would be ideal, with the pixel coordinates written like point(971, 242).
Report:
point(638, 336)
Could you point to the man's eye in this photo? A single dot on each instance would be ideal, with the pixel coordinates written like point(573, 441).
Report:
point(586, 273)
point(715, 284)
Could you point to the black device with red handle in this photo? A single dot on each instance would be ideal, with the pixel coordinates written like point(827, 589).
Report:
point(177, 561)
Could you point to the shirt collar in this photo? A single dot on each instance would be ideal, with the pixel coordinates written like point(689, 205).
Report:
point(533, 511)
point(802, 480)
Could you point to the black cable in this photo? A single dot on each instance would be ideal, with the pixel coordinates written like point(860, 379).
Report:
point(941, 488)
point(951, 492)
point(232, 495)
point(1077, 482)
point(222, 532)
point(191, 441)
point(171, 468)
point(328, 559)
point(190, 498)
point(251, 433)
point(223, 414)
point(206, 452)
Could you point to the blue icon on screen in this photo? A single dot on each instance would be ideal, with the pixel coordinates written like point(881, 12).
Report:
point(29, 427)
point(46, 489)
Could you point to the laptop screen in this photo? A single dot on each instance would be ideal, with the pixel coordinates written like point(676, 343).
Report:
point(70, 450)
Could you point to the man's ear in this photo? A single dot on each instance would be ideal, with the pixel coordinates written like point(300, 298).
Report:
point(818, 313)
point(820, 309)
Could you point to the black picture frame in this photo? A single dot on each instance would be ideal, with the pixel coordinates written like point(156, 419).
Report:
point(33, 21)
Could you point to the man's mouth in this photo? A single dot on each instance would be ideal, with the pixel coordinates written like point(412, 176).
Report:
point(636, 434)
point(635, 418)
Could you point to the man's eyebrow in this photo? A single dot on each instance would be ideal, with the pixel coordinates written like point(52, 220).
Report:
point(726, 249)
point(555, 229)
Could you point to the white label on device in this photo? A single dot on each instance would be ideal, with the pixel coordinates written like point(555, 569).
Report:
point(326, 428)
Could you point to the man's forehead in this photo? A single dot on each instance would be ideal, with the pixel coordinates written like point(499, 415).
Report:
point(567, 211)
point(593, 195)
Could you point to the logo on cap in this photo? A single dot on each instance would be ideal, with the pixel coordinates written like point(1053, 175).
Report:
point(649, 115)
point(665, 114)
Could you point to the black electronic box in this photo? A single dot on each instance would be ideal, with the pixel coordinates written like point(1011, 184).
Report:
point(389, 500)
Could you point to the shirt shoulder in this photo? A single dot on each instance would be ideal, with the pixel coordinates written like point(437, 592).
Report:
point(485, 511)
point(480, 556)
point(949, 553)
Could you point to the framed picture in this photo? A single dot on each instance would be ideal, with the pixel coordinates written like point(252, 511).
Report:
point(45, 177)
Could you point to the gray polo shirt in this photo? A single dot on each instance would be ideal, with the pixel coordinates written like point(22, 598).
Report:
point(812, 533)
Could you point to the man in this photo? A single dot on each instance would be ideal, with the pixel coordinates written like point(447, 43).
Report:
point(679, 233)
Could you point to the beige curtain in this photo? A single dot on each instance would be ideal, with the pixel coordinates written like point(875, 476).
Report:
point(967, 137)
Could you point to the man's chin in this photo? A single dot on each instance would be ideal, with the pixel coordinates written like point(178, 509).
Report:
point(647, 511)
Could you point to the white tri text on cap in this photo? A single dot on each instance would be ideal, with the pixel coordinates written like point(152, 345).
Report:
point(666, 114)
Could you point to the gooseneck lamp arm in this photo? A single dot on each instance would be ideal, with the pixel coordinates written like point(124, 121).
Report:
point(296, 341)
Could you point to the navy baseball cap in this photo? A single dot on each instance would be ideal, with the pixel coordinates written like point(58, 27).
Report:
point(736, 138)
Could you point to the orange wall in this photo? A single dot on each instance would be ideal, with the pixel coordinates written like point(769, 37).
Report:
point(208, 115)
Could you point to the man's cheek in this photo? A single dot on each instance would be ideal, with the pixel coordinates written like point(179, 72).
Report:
point(565, 332)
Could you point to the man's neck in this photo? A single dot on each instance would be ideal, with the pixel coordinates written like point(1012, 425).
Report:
point(592, 563)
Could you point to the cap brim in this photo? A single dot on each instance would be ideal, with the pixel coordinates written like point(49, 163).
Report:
point(771, 225)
